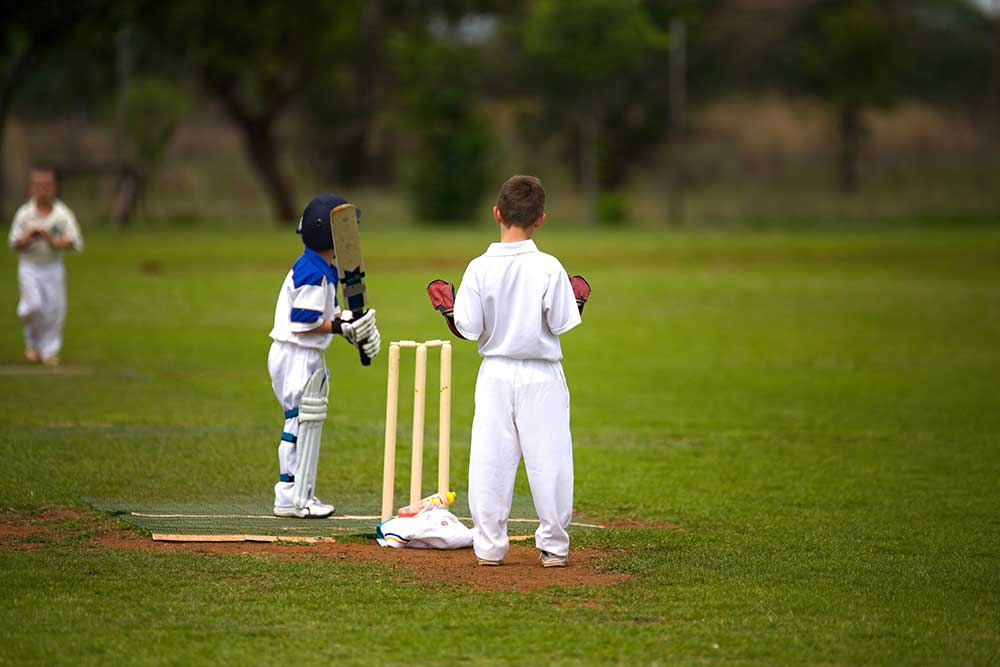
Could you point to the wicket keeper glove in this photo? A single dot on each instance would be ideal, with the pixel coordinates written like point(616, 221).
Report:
point(581, 290)
point(442, 296)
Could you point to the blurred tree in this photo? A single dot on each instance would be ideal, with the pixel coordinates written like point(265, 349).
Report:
point(950, 45)
point(585, 58)
point(369, 93)
point(150, 111)
point(31, 33)
point(852, 55)
point(257, 58)
point(448, 171)
point(443, 71)
point(343, 107)
point(864, 54)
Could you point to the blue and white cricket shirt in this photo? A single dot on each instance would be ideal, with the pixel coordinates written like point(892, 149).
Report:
point(307, 297)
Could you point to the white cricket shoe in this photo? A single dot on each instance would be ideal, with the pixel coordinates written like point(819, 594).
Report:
point(318, 508)
point(486, 562)
point(552, 560)
point(314, 509)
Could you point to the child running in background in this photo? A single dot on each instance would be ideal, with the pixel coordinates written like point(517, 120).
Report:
point(43, 229)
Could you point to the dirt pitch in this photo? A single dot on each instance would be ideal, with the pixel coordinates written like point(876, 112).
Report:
point(521, 570)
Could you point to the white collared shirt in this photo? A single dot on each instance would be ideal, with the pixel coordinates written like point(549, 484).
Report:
point(516, 301)
point(60, 223)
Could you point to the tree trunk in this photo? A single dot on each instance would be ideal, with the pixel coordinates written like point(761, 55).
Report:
point(257, 130)
point(678, 122)
point(852, 131)
point(589, 134)
point(370, 79)
point(262, 149)
point(131, 184)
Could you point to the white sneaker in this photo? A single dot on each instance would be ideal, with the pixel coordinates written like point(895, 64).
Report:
point(319, 509)
point(486, 562)
point(552, 560)
point(314, 509)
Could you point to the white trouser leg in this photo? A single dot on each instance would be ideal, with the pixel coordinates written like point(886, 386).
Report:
point(31, 302)
point(542, 420)
point(287, 448)
point(42, 305)
point(287, 451)
point(31, 327)
point(290, 367)
point(50, 342)
point(493, 459)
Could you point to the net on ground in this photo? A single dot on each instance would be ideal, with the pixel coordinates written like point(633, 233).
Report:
point(251, 516)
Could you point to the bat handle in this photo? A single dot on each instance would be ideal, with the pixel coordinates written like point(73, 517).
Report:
point(365, 359)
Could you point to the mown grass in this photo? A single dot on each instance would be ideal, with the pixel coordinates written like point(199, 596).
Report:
point(819, 411)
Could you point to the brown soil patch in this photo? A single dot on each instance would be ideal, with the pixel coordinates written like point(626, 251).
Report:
point(33, 532)
point(521, 570)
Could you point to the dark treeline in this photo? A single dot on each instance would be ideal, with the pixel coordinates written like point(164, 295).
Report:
point(611, 80)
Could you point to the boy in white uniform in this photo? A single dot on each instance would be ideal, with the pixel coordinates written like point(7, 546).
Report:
point(43, 229)
point(516, 301)
point(305, 319)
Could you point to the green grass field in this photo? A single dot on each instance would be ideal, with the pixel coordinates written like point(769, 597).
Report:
point(818, 411)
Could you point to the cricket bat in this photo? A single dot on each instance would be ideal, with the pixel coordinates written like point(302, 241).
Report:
point(350, 264)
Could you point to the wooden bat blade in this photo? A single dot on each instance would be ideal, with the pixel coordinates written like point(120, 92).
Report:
point(350, 262)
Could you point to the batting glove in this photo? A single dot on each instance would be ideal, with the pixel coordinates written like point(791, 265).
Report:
point(372, 344)
point(359, 329)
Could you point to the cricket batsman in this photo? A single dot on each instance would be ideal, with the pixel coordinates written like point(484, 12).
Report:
point(306, 318)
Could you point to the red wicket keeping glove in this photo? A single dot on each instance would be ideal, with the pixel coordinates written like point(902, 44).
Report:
point(581, 290)
point(442, 296)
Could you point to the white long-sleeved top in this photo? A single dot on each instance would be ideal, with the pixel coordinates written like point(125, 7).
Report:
point(516, 301)
point(60, 223)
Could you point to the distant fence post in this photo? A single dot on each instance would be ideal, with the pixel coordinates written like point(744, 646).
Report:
point(127, 187)
point(678, 102)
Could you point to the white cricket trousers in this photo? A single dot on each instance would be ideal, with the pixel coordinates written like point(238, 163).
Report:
point(522, 409)
point(42, 305)
point(290, 367)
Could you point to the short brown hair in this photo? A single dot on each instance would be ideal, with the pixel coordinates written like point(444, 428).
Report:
point(44, 168)
point(521, 200)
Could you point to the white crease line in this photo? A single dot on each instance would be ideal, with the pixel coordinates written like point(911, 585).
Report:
point(342, 517)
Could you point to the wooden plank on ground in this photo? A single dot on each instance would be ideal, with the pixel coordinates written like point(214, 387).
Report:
point(163, 537)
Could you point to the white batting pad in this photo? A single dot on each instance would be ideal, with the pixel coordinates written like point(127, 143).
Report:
point(312, 413)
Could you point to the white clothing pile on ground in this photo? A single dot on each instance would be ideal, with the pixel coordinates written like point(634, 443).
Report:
point(433, 528)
